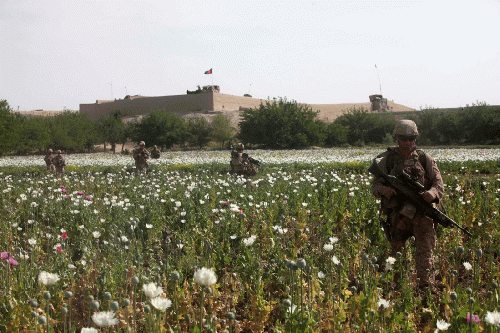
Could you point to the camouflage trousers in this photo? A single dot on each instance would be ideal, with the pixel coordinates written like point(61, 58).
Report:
point(51, 167)
point(250, 171)
point(244, 170)
point(422, 228)
point(141, 167)
point(59, 170)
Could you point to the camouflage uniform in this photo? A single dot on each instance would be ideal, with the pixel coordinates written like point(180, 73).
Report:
point(241, 163)
point(404, 217)
point(49, 160)
point(59, 163)
point(155, 153)
point(141, 156)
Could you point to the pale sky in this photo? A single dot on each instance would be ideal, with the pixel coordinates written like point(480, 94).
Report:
point(428, 53)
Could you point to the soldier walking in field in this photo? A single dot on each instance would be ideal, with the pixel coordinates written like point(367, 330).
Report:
point(155, 153)
point(49, 160)
point(243, 165)
point(403, 218)
point(141, 156)
point(59, 163)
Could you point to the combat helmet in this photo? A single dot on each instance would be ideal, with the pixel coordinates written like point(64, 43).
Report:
point(405, 127)
point(240, 146)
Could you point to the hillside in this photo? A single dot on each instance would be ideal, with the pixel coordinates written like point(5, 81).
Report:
point(329, 112)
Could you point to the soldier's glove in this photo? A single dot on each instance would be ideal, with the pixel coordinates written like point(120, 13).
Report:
point(385, 191)
point(428, 196)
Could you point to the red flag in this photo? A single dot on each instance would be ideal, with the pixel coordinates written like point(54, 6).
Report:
point(209, 71)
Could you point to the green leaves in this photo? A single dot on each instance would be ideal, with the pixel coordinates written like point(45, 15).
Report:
point(281, 124)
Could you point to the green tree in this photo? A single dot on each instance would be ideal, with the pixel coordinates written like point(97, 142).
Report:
point(160, 128)
point(336, 135)
point(359, 123)
point(449, 130)
point(72, 131)
point(480, 124)
point(128, 132)
point(6, 127)
point(113, 129)
point(33, 134)
point(428, 127)
point(222, 130)
point(199, 131)
point(381, 128)
point(281, 124)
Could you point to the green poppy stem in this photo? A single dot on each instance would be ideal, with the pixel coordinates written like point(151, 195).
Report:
point(201, 311)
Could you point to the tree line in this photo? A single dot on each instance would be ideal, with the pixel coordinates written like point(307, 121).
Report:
point(277, 124)
point(74, 132)
point(287, 124)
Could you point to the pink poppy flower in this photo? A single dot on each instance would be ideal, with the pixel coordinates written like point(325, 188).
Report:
point(79, 193)
point(58, 249)
point(474, 318)
point(88, 197)
point(12, 261)
point(4, 255)
point(64, 235)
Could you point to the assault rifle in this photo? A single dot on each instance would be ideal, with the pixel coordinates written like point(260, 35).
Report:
point(252, 160)
point(234, 154)
point(413, 190)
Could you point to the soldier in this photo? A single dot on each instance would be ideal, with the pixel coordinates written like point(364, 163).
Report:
point(141, 156)
point(155, 153)
point(59, 163)
point(404, 219)
point(242, 164)
point(49, 160)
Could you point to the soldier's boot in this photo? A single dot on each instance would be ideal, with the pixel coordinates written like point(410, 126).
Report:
point(426, 290)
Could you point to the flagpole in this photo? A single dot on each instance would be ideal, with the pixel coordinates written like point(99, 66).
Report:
point(380, 84)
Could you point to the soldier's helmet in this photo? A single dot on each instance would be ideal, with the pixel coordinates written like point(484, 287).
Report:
point(58, 152)
point(240, 146)
point(50, 150)
point(405, 127)
point(155, 147)
point(142, 143)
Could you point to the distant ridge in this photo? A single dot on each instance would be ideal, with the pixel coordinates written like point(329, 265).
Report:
point(329, 112)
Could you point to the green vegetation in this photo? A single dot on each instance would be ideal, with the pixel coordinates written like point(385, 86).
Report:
point(279, 124)
point(302, 252)
point(74, 132)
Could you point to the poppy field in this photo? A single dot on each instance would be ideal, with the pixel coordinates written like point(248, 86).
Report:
point(188, 247)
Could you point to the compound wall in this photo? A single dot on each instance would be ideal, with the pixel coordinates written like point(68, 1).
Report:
point(139, 105)
point(208, 104)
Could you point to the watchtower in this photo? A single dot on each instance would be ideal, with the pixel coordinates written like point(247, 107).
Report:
point(379, 103)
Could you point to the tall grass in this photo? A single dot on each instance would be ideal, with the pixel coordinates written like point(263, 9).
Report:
point(106, 233)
